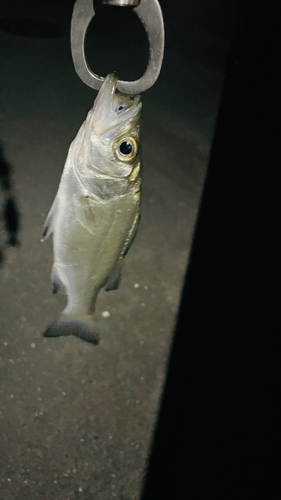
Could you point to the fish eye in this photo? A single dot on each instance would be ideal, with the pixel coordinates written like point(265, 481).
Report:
point(120, 108)
point(126, 148)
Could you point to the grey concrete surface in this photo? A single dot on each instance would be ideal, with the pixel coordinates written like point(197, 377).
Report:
point(76, 421)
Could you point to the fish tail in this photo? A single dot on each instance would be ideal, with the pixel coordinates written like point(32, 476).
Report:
point(83, 327)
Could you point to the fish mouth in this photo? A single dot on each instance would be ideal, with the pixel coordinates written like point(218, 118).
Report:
point(112, 108)
point(106, 92)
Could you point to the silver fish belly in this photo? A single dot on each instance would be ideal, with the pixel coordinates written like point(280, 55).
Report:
point(96, 212)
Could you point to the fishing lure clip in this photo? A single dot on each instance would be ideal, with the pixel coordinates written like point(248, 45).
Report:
point(149, 13)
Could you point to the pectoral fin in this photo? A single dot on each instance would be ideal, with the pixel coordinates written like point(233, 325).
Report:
point(131, 236)
point(115, 279)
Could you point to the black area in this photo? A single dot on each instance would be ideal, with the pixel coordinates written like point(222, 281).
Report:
point(34, 28)
point(9, 212)
point(218, 430)
point(119, 33)
point(5, 173)
point(11, 220)
point(126, 148)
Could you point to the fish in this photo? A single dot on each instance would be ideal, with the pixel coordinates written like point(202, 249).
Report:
point(95, 215)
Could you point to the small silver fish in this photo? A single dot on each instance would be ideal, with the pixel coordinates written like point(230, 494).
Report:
point(96, 211)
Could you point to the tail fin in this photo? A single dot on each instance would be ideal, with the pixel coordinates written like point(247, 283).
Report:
point(83, 327)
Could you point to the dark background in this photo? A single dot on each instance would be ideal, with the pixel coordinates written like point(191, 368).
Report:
point(195, 28)
point(217, 433)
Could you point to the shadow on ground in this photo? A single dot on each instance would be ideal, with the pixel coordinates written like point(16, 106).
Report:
point(9, 211)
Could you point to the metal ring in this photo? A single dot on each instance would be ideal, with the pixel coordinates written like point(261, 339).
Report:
point(150, 14)
point(122, 3)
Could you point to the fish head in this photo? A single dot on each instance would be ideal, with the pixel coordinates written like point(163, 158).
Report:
point(113, 130)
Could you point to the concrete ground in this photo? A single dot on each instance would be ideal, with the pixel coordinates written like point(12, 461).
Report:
point(76, 421)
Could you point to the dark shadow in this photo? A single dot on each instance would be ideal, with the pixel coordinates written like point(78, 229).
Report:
point(34, 28)
point(217, 429)
point(9, 212)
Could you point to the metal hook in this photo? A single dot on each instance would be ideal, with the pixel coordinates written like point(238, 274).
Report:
point(149, 13)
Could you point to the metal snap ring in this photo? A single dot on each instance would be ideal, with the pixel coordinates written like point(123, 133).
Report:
point(149, 13)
